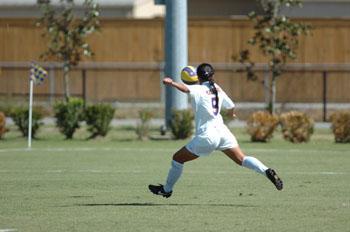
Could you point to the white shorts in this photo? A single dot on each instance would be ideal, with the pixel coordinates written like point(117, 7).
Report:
point(216, 138)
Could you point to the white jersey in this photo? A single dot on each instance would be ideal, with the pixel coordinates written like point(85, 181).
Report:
point(203, 104)
point(211, 133)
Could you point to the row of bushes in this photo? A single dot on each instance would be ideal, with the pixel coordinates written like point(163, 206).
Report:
point(297, 127)
point(69, 116)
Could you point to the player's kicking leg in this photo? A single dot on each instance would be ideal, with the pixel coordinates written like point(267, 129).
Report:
point(254, 164)
point(273, 177)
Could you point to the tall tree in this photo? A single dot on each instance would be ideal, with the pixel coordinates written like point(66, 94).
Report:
point(66, 33)
point(276, 37)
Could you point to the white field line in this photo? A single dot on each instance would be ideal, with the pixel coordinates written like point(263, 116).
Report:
point(8, 230)
point(140, 149)
point(70, 171)
point(325, 173)
point(86, 149)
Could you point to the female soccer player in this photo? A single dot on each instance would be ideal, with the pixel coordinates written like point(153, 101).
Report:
point(211, 134)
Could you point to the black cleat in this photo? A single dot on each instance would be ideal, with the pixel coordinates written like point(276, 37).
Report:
point(272, 175)
point(159, 190)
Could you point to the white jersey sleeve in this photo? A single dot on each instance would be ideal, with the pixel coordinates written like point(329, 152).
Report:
point(194, 89)
point(227, 103)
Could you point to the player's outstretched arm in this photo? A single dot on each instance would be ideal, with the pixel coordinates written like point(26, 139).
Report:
point(179, 86)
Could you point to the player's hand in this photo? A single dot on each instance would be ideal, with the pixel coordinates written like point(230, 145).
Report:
point(233, 114)
point(167, 81)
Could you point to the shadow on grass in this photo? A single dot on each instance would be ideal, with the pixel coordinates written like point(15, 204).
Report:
point(248, 141)
point(157, 204)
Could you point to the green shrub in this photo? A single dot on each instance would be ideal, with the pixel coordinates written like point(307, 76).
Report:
point(142, 129)
point(261, 125)
point(297, 127)
point(68, 115)
point(226, 115)
point(3, 128)
point(182, 124)
point(341, 126)
point(20, 117)
point(6, 108)
point(98, 119)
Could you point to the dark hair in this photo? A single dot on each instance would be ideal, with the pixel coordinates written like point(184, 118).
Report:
point(206, 72)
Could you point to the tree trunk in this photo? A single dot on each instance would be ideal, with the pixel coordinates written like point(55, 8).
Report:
point(267, 90)
point(66, 69)
point(273, 95)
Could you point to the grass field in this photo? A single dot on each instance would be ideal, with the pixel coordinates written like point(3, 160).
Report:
point(101, 185)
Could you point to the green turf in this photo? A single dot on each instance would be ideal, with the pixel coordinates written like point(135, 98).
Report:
point(101, 185)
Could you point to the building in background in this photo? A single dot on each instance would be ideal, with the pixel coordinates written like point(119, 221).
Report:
point(196, 8)
point(109, 8)
point(147, 9)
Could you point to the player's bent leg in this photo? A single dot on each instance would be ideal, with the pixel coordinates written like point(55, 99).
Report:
point(179, 158)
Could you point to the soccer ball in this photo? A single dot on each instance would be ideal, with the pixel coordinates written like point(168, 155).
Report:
point(189, 75)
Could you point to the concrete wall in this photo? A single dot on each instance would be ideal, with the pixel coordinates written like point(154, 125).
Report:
point(322, 9)
point(311, 9)
point(220, 8)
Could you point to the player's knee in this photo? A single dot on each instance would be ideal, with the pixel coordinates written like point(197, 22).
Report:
point(177, 157)
point(183, 155)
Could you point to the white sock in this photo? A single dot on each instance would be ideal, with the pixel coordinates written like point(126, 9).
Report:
point(173, 175)
point(254, 164)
